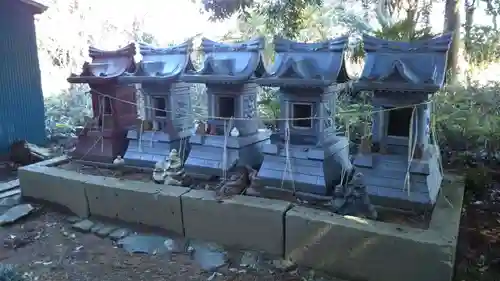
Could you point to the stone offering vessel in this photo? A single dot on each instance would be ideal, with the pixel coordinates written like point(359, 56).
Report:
point(113, 105)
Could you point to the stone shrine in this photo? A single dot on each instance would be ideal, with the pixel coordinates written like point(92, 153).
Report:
point(167, 105)
point(400, 163)
point(226, 71)
point(305, 154)
point(113, 105)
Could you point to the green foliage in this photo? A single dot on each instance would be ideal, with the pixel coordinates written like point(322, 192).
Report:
point(284, 17)
point(484, 44)
point(403, 30)
point(468, 118)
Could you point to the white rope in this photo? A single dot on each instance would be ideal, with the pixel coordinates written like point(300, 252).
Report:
point(141, 129)
point(224, 152)
point(411, 151)
point(342, 175)
point(155, 128)
point(348, 113)
point(288, 163)
point(103, 101)
point(435, 142)
point(183, 143)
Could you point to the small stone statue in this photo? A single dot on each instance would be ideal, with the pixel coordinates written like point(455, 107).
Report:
point(237, 183)
point(234, 132)
point(350, 197)
point(119, 165)
point(175, 174)
point(200, 128)
point(160, 171)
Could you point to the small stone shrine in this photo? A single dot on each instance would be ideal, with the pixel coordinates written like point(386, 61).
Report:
point(229, 141)
point(399, 161)
point(167, 103)
point(305, 154)
point(113, 105)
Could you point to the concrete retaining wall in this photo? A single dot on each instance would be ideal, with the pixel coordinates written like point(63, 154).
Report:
point(136, 202)
point(369, 250)
point(348, 247)
point(242, 221)
point(54, 185)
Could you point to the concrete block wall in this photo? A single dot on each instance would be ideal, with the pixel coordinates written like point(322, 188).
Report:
point(345, 246)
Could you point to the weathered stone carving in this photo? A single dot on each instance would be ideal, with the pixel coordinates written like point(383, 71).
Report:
point(328, 121)
point(249, 106)
point(237, 183)
point(170, 171)
point(175, 174)
point(350, 197)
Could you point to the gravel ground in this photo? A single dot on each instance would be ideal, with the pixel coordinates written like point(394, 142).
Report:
point(47, 248)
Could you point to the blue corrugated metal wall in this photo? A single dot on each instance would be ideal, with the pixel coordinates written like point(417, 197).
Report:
point(21, 99)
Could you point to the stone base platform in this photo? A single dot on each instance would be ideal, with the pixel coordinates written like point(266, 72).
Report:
point(303, 168)
point(153, 147)
point(347, 247)
point(207, 151)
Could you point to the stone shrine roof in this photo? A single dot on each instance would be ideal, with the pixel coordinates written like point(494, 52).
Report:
point(404, 66)
point(160, 65)
point(106, 65)
point(227, 63)
point(306, 64)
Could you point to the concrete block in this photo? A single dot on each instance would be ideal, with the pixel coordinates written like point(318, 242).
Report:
point(136, 202)
point(358, 249)
point(61, 187)
point(241, 221)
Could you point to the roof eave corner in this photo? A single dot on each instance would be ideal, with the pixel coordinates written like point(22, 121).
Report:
point(40, 8)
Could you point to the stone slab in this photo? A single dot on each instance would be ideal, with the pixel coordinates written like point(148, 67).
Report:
point(84, 225)
point(359, 249)
point(241, 221)
point(61, 187)
point(136, 202)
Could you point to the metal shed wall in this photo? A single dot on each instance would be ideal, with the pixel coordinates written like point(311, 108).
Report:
point(21, 99)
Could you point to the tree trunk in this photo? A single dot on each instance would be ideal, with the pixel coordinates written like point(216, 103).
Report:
point(469, 17)
point(452, 24)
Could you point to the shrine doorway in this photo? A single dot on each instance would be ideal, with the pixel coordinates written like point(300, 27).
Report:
point(398, 123)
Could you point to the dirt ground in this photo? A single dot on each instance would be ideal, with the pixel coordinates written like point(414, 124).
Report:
point(47, 248)
point(478, 251)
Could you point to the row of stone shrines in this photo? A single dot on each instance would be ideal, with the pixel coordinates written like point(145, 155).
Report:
point(305, 152)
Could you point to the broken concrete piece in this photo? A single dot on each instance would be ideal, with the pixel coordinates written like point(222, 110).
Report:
point(145, 244)
point(73, 219)
point(119, 234)
point(15, 213)
point(208, 256)
point(175, 245)
point(10, 201)
point(84, 225)
point(96, 227)
point(105, 231)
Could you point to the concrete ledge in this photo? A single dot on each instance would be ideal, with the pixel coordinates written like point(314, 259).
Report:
point(85, 195)
point(65, 188)
point(242, 221)
point(136, 202)
point(358, 249)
